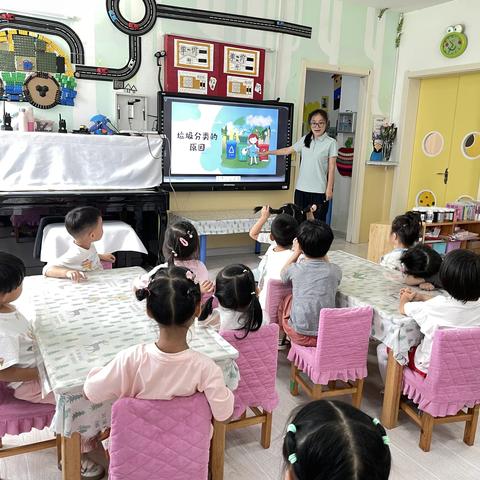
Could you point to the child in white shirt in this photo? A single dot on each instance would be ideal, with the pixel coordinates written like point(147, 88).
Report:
point(239, 308)
point(85, 225)
point(18, 364)
point(284, 230)
point(460, 277)
point(404, 234)
point(166, 368)
point(17, 359)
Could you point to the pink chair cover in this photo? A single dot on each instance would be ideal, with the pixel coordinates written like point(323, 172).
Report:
point(276, 292)
point(453, 380)
point(257, 363)
point(18, 416)
point(342, 346)
point(160, 439)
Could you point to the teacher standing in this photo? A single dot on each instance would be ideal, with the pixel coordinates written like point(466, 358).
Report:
point(317, 167)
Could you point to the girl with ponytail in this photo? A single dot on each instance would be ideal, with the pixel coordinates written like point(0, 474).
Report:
point(165, 368)
point(239, 308)
point(180, 248)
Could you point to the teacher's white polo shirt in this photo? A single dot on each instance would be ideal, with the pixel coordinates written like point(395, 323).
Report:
point(312, 176)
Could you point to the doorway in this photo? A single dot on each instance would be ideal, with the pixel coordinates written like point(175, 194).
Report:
point(343, 95)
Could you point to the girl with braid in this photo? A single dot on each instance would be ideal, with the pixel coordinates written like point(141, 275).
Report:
point(331, 440)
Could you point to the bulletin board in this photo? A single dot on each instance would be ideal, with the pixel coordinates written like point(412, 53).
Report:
point(213, 68)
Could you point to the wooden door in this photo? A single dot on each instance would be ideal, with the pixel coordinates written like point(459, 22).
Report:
point(433, 137)
point(464, 165)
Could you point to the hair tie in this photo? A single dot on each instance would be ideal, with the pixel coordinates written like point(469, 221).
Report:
point(253, 293)
point(175, 254)
point(376, 421)
point(245, 271)
point(292, 458)
point(190, 234)
point(292, 428)
point(189, 275)
point(183, 242)
point(386, 440)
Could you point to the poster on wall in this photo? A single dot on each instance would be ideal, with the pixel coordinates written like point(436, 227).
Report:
point(241, 61)
point(337, 91)
point(192, 82)
point(239, 87)
point(193, 54)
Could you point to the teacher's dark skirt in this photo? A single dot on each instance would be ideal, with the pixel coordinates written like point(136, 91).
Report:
point(305, 199)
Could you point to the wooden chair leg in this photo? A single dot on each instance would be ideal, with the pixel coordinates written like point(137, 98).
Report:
point(426, 431)
point(471, 426)
point(357, 396)
point(59, 449)
point(316, 391)
point(293, 380)
point(217, 450)
point(266, 430)
point(71, 457)
point(332, 384)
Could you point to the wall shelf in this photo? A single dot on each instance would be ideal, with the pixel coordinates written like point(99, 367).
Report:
point(383, 164)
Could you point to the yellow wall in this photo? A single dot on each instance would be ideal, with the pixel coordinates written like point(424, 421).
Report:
point(377, 194)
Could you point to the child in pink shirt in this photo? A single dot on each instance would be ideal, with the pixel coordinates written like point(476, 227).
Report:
point(180, 248)
point(166, 368)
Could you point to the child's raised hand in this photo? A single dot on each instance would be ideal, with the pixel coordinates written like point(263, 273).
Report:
point(206, 287)
point(76, 276)
point(265, 212)
point(296, 247)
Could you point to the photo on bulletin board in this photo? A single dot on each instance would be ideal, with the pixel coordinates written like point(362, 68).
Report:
point(192, 82)
point(324, 103)
point(239, 87)
point(241, 61)
point(193, 54)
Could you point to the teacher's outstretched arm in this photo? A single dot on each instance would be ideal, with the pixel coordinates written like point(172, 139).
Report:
point(280, 151)
point(331, 175)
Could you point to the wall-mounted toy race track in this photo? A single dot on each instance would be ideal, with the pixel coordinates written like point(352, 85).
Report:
point(231, 20)
point(133, 28)
point(50, 27)
point(111, 74)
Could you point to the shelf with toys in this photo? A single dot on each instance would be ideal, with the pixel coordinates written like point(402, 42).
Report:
point(455, 226)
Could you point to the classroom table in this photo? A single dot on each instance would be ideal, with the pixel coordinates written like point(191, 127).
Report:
point(81, 325)
point(367, 283)
point(221, 222)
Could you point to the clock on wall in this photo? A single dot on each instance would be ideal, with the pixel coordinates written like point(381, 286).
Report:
point(454, 43)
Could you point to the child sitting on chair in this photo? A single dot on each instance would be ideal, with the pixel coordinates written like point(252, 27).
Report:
point(168, 367)
point(238, 307)
point(180, 248)
point(283, 232)
point(460, 277)
point(314, 282)
point(85, 225)
point(404, 234)
point(17, 362)
point(421, 266)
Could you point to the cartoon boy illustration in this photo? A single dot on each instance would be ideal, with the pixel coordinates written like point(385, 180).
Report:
point(253, 149)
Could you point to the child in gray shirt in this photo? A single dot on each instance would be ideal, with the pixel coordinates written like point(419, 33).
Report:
point(314, 282)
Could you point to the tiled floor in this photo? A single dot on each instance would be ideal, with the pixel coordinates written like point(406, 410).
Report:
point(449, 459)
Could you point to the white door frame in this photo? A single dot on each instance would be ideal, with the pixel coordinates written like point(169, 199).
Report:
point(407, 127)
point(362, 135)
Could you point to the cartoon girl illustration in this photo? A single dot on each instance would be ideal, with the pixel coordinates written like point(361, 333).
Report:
point(253, 149)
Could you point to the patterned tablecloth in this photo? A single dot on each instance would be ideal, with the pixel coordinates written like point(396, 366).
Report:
point(366, 283)
point(78, 326)
point(219, 222)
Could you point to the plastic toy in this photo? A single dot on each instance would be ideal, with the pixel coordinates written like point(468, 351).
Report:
point(101, 125)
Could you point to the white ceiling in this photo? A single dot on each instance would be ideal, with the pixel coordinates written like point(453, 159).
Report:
point(401, 5)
